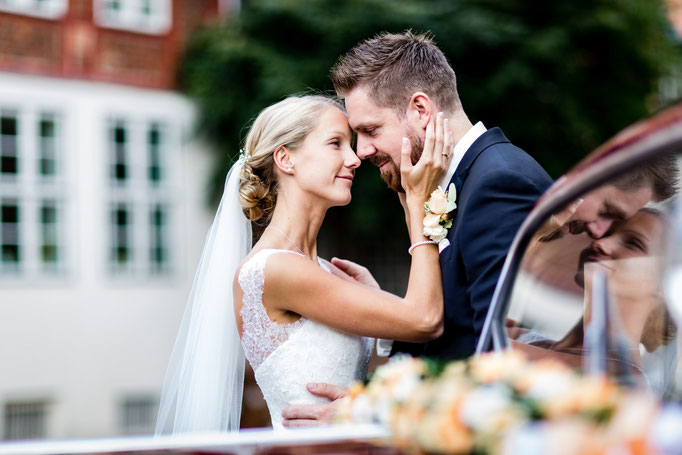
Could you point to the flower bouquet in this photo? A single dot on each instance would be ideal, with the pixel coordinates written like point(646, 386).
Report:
point(500, 403)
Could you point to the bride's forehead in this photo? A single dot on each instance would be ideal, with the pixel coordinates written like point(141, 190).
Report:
point(330, 119)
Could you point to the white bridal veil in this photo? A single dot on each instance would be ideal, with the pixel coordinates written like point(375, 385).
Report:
point(205, 378)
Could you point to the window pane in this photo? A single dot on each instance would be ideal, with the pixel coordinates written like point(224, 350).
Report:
point(25, 420)
point(8, 165)
point(138, 415)
point(157, 248)
point(121, 242)
point(119, 153)
point(47, 165)
point(9, 233)
point(154, 146)
point(146, 7)
point(8, 125)
point(47, 128)
point(8, 145)
point(49, 248)
point(9, 213)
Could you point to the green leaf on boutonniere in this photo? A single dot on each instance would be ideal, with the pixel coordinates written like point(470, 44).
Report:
point(452, 194)
point(451, 206)
point(446, 224)
point(434, 367)
point(426, 206)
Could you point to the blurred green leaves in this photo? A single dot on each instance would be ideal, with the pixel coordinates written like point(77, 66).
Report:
point(559, 77)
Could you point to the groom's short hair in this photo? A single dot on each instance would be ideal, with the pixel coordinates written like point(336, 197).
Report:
point(394, 66)
point(662, 175)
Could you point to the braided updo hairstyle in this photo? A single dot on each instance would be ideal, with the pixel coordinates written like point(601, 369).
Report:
point(284, 124)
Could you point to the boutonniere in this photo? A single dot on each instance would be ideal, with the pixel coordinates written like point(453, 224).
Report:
point(437, 220)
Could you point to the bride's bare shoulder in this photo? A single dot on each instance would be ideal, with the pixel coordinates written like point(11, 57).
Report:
point(276, 262)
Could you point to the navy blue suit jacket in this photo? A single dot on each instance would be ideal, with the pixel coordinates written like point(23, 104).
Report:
point(497, 185)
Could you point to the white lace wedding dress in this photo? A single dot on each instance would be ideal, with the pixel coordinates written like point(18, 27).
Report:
point(285, 357)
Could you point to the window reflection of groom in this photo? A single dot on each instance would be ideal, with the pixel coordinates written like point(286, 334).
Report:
point(617, 200)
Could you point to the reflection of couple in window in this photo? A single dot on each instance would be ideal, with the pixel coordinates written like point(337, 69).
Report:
point(628, 253)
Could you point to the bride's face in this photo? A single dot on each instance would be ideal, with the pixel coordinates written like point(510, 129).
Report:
point(635, 237)
point(325, 163)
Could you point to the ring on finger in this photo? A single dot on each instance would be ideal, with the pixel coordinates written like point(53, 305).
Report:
point(445, 154)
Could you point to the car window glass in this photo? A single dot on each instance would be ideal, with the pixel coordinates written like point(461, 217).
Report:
point(614, 235)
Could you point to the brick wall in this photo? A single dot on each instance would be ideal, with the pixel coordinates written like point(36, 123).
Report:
point(74, 46)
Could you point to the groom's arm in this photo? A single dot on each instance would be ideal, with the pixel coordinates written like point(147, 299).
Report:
point(495, 212)
point(306, 415)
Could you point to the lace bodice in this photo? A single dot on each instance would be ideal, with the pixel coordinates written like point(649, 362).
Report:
point(285, 357)
point(260, 336)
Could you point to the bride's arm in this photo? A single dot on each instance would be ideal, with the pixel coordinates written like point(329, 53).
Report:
point(295, 284)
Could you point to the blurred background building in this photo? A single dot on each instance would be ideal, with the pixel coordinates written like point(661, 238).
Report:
point(102, 210)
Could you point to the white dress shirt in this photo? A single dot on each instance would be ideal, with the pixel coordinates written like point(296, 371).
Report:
point(460, 150)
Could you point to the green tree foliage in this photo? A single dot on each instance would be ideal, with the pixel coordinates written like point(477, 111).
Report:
point(559, 77)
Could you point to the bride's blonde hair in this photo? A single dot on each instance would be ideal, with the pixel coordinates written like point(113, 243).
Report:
point(284, 124)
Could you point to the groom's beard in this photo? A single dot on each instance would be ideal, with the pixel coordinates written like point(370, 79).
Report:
point(391, 172)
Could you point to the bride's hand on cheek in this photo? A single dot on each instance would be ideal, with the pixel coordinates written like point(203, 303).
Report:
point(421, 179)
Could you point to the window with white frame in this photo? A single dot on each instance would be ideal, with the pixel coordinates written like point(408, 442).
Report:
point(121, 257)
point(49, 234)
point(49, 9)
point(140, 207)
point(25, 420)
point(47, 145)
point(138, 414)
point(144, 16)
point(31, 193)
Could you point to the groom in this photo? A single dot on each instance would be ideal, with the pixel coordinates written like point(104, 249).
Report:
point(392, 84)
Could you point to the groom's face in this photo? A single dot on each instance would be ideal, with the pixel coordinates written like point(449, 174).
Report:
point(380, 131)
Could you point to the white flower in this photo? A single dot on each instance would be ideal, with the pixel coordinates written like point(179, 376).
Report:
point(362, 411)
point(405, 387)
point(548, 385)
point(438, 203)
point(482, 404)
point(431, 220)
point(436, 234)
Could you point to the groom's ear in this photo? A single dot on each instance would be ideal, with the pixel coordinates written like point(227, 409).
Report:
point(283, 160)
point(420, 109)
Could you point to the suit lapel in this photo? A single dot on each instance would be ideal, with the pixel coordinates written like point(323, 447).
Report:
point(489, 138)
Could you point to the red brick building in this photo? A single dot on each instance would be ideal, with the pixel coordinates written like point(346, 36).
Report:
point(134, 42)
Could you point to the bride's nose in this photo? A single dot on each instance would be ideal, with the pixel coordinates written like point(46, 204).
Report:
point(605, 246)
point(351, 160)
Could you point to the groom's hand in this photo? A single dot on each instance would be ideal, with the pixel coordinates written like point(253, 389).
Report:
point(307, 415)
point(355, 272)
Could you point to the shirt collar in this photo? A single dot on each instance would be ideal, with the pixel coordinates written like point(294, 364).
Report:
point(460, 150)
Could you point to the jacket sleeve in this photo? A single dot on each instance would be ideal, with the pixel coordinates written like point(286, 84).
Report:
point(491, 218)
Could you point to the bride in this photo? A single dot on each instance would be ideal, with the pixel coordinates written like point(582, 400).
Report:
point(300, 319)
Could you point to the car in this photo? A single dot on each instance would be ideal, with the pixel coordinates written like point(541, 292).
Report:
point(591, 278)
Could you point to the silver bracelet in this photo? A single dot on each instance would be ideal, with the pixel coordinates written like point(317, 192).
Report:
point(425, 242)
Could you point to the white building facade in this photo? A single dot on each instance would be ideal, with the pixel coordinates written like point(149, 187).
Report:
point(102, 219)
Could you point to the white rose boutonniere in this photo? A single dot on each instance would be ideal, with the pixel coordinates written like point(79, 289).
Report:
point(437, 220)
